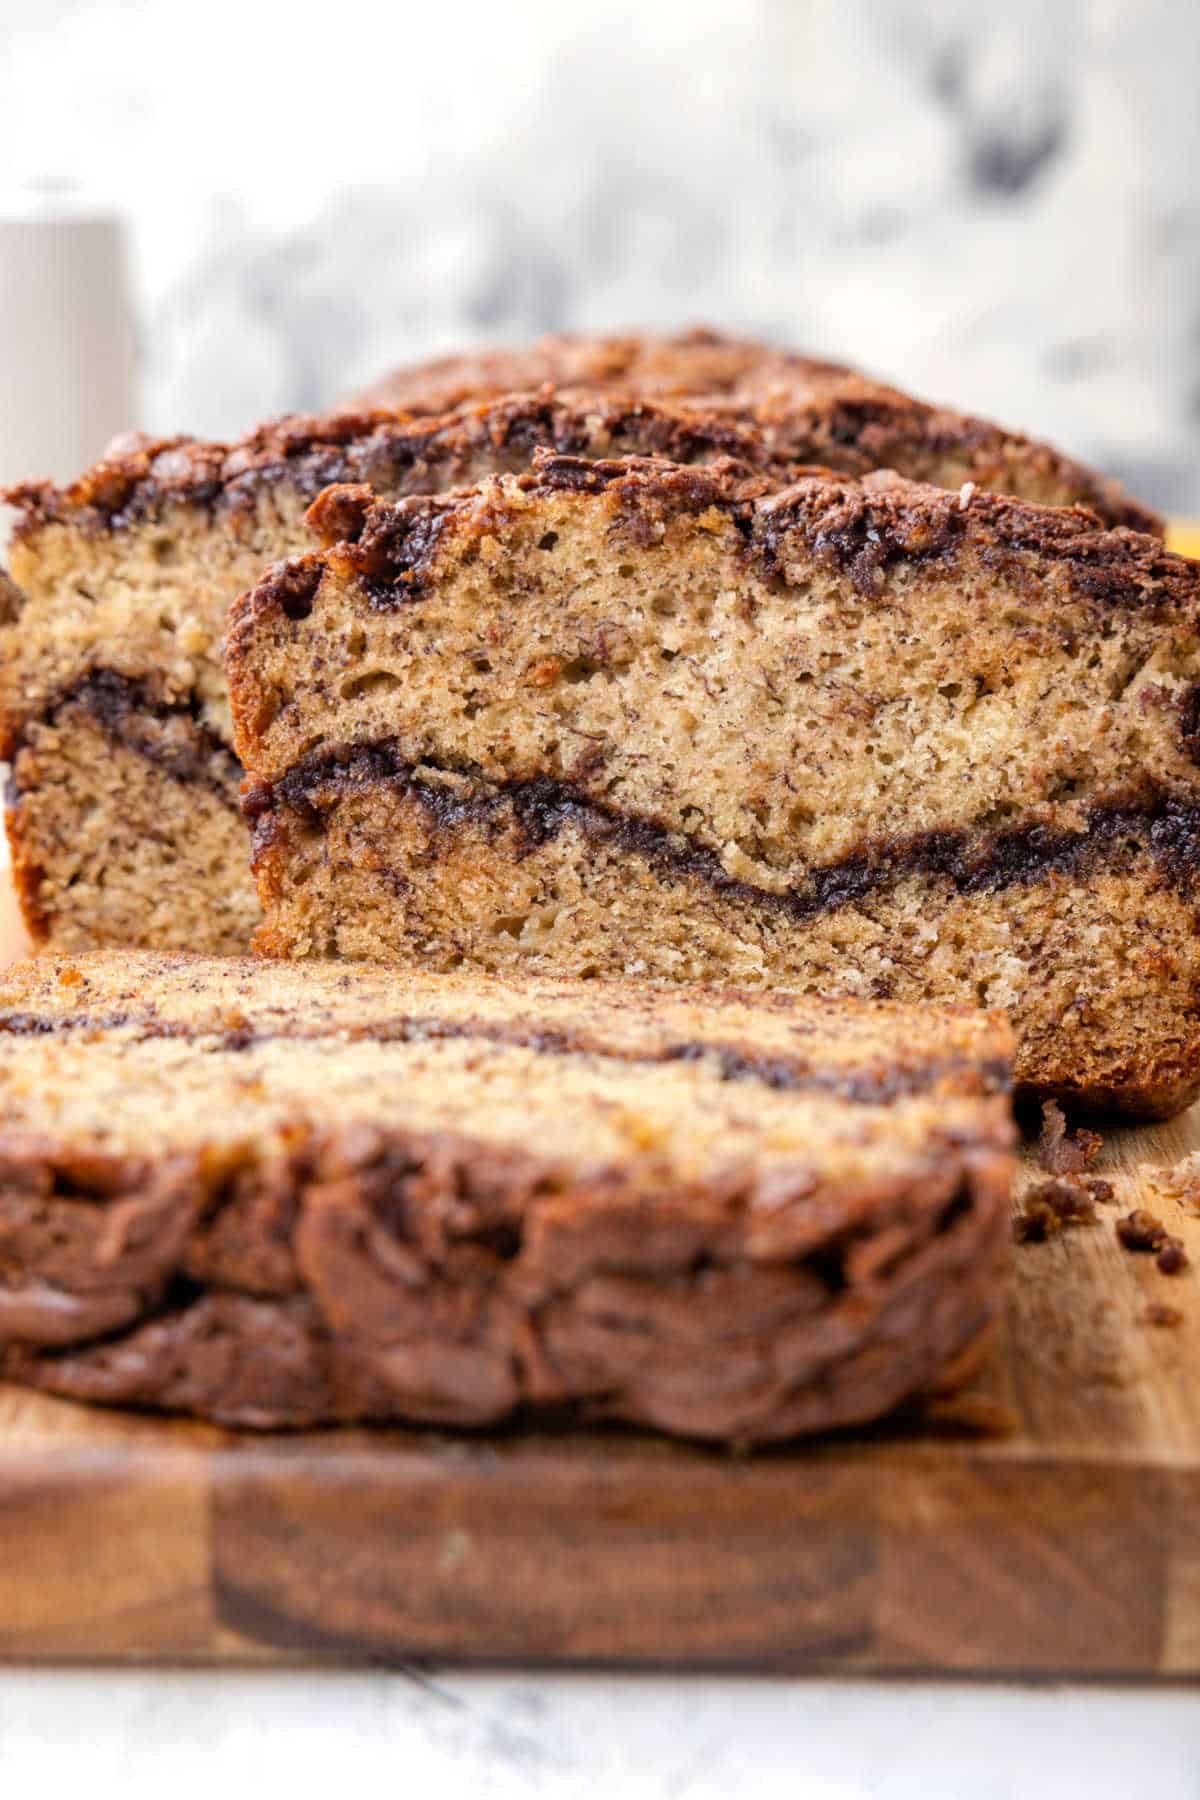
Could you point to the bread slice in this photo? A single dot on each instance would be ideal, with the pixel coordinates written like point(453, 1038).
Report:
point(277, 1196)
point(809, 411)
point(865, 737)
point(123, 812)
point(123, 821)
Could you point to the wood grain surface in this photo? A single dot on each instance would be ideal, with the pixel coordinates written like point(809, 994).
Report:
point(1065, 1538)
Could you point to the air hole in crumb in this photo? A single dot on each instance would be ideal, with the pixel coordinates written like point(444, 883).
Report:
point(377, 682)
point(511, 925)
point(548, 540)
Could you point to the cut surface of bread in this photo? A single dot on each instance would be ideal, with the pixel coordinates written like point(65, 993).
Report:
point(810, 411)
point(128, 572)
point(123, 814)
point(277, 1195)
point(863, 737)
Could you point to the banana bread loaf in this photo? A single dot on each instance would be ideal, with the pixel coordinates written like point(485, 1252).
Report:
point(123, 812)
point(277, 1196)
point(857, 736)
point(809, 411)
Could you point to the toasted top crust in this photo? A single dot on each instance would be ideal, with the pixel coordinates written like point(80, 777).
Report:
point(698, 361)
point(860, 526)
point(810, 410)
point(139, 475)
point(795, 411)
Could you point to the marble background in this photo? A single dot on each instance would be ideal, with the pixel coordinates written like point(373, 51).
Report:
point(996, 205)
point(187, 1735)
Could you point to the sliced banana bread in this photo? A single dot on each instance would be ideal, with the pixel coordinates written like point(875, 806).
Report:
point(277, 1196)
point(859, 736)
point(810, 411)
point(123, 807)
point(112, 704)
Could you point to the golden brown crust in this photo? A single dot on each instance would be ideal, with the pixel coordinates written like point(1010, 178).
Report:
point(697, 361)
point(26, 879)
point(833, 417)
point(809, 410)
point(140, 476)
point(858, 526)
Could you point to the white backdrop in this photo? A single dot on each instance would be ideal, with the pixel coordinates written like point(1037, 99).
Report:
point(996, 205)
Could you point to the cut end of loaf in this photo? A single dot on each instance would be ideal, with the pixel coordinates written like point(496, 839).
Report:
point(864, 736)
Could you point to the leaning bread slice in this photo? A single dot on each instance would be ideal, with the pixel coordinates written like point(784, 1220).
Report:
point(122, 812)
point(863, 737)
point(278, 1196)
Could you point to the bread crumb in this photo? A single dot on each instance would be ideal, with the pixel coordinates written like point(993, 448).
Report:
point(1049, 1207)
point(1141, 1231)
point(1061, 1152)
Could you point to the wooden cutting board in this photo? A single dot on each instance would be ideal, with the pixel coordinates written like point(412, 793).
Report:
point(1070, 1543)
